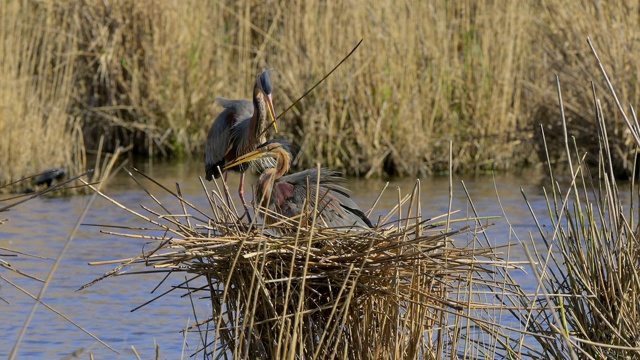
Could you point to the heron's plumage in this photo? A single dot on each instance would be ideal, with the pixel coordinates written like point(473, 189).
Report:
point(244, 144)
point(235, 111)
point(336, 208)
point(238, 129)
point(287, 194)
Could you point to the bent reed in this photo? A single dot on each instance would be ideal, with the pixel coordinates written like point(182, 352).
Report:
point(476, 73)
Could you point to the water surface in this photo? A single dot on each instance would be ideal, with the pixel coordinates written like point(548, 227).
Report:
point(41, 227)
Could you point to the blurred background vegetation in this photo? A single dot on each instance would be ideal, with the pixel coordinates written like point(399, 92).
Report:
point(477, 73)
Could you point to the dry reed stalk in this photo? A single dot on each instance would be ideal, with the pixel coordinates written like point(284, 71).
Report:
point(147, 75)
point(588, 276)
point(400, 290)
point(427, 73)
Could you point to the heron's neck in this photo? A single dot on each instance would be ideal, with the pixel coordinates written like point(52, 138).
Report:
point(270, 176)
point(282, 166)
point(267, 180)
point(258, 120)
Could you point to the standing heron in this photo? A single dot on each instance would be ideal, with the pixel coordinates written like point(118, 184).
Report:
point(285, 195)
point(238, 130)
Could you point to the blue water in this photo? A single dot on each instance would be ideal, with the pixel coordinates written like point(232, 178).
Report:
point(41, 227)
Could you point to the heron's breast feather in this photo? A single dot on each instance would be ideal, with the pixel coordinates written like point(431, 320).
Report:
point(282, 192)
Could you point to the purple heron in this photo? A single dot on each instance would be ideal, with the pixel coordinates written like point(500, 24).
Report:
point(238, 130)
point(286, 194)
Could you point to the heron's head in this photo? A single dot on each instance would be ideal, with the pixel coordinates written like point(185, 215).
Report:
point(264, 82)
point(271, 149)
point(283, 144)
point(262, 92)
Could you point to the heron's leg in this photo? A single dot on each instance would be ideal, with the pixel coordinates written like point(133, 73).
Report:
point(241, 193)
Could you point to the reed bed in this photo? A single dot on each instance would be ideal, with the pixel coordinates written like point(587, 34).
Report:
point(37, 73)
point(565, 53)
point(295, 290)
point(588, 275)
point(146, 73)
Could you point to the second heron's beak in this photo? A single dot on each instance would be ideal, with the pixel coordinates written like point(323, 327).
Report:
point(272, 113)
point(256, 154)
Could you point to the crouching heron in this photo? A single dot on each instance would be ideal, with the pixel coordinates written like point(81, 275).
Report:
point(286, 194)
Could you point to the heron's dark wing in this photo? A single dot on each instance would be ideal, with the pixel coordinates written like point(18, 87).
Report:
point(351, 208)
point(242, 108)
point(219, 138)
point(245, 141)
point(343, 211)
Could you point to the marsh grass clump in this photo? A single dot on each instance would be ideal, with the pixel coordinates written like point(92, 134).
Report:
point(426, 73)
point(146, 75)
point(589, 303)
point(475, 73)
point(290, 289)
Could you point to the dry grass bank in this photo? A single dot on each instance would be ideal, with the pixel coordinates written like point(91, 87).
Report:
point(146, 73)
point(562, 29)
point(37, 80)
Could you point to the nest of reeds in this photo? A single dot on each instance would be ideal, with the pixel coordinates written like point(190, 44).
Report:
point(295, 290)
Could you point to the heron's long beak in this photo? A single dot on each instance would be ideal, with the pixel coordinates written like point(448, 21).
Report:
point(272, 113)
point(256, 154)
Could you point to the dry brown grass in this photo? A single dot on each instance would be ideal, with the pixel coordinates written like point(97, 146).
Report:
point(562, 49)
point(37, 77)
point(426, 73)
point(146, 73)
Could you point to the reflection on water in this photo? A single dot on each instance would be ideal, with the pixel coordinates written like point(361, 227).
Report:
point(41, 226)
